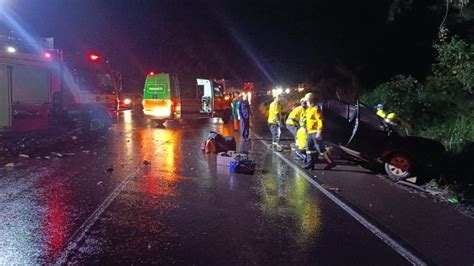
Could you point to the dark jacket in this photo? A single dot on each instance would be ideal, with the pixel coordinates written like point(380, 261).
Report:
point(244, 109)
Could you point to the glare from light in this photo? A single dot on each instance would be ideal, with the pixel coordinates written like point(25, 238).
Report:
point(11, 49)
point(47, 55)
point(287, 91)
point(127, 101)
point(94, 57)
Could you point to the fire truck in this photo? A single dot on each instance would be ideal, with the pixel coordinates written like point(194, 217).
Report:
point(38, 87)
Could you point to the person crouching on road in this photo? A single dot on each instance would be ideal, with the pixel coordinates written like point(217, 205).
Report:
point(235, 113)
point(314, 126)
point(293, 122)
point(300, 149)
point(275, 121)
point(244, 114)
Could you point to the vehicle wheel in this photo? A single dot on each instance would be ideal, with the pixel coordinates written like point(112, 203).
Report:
point(399, 166)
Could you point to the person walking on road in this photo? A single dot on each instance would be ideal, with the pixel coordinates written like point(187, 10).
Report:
point(314, 126)
point(275, 121)
point(293, 122)
point(244, 114)
point(235, 113)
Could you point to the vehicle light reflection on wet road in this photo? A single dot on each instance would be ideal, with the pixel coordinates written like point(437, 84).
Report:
point(127, 128)
point(286, 196)
point(56, 220)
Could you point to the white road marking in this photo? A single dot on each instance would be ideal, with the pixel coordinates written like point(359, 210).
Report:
point(397, 247)
point(80, 233)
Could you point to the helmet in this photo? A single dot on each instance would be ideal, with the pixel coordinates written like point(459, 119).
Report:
point(302, 100)
point(379, 106)
point(310, 96)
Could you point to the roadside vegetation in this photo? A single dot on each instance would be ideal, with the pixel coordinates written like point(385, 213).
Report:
point(438, 105)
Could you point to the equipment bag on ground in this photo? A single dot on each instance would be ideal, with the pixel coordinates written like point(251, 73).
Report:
point(216, 143)
point(242, 166)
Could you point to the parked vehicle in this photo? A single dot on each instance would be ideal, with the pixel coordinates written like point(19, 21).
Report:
point(129, 101)
point(368, 139)
point(40, 85)
point(167, 97)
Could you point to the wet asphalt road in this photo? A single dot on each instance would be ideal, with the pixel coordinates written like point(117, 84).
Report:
point(103, 205)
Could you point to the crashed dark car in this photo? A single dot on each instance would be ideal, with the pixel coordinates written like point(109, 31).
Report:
point(363, 136)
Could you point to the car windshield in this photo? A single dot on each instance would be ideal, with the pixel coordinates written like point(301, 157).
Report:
point(95, 82)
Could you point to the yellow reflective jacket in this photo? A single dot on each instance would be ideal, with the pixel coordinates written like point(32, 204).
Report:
point(313, 119)
point(381, 113)
point(301, 138)
point(274, 113)
point(294, 118)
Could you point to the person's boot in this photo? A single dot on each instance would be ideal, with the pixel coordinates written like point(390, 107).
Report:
point(311, 161)
point(330, 163)
point(309, 166)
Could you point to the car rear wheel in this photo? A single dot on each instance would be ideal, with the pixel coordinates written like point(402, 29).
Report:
point(399, 166)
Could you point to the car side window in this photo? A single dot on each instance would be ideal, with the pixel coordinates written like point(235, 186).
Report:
point(369, 118)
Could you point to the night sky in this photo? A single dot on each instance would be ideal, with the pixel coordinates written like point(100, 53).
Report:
point(270, 42)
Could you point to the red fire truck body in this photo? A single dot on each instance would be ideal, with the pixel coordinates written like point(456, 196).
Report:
point(37, 88)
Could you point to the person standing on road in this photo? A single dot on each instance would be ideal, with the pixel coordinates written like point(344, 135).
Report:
point(275, 121)
point(314, 126)
point(235, 113)
point(293, 122)
point(244, 114)
point(380, 110)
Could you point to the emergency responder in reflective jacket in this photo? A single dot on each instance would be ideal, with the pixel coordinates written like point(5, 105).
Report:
point(380, 111)
point(314, 125)
point(275, 121)
point(293, 122)
point(393, 119)
point(300, 149)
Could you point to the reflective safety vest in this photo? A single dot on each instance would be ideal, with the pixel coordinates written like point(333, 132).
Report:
point(381, 113)
point(313, 120)
point(301, 138)
point(294, 118)
point(274, 113)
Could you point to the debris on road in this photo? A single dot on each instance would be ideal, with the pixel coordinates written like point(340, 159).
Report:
point(110, 169)
point(100, 183)
point(145, 162)
point(57, 154)
point(9, 165)
point(327, 187)
point(24, 156)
